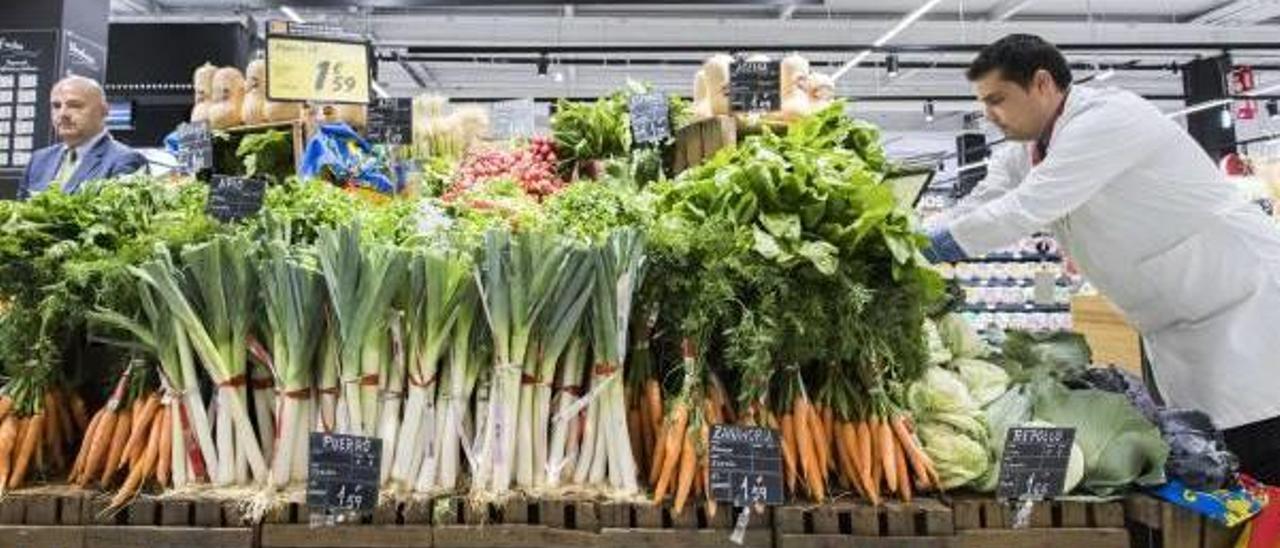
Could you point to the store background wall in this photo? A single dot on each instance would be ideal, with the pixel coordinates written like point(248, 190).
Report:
point(151, 65)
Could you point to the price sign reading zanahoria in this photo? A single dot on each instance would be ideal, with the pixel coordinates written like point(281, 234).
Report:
point(310, 69)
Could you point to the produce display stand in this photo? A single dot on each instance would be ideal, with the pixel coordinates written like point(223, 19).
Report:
point(699, 141)
point(66, 517)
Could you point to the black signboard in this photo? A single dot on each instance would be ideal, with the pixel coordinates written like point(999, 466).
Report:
point(746, 465)
point(650, 118)
point(234, 198)
point(1034, 465)
point(28, 68)
point(342, 473)
point(391, 121)
point(754, 86)
point(195, 147)
point(83, 57)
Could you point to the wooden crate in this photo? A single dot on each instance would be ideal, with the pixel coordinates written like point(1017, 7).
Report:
point(297, 135)
point(1155, 522)
point(648, 525)
point(700, 140)
point(516, 522)
point(973, 513)
point(918, 524)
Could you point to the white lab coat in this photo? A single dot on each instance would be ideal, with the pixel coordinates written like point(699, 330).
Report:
point(1152, 223)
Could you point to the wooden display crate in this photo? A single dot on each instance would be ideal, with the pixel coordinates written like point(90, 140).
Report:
point(297, 135)
point(918, 524)
point(1154, 522)
point(649, 525)
point(700, 140)
point(984, 521)
point(516, 522)
point(391, 524)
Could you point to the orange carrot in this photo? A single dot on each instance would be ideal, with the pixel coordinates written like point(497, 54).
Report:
point(6, 406)
point(141, 427)
point(684, 479)
point(886, 444)
point(821, 443)
point(633, 432)
point(99, 446)
point(166, 447)
point(8, 446)
point(52, 436)
point(83, 455)
point(140, 471)
point(904, 474)
point(844, 459)
point(115, 450)
point(807, 446)
point(66, 424)
point(646, 433)
point(659, 454)
point(653, 395)
point(34, 428)
point(789, 451)
point(916, 457)
point(674, 443)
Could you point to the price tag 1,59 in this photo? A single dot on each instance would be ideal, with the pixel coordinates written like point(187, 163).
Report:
point(317, 69)
point(343, 472)
point(746, 465)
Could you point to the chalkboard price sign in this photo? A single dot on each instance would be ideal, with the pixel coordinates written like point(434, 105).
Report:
point(234, 198)
point(391, 121)
point(1034, 465)
point(650, 118)
point(755, 86)
point(195, 147)
point(746, 465)
point(342, 473)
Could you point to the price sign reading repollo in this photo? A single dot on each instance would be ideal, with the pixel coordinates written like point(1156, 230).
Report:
point(317, 69)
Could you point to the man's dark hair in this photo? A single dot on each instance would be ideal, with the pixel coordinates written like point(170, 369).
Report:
point(1018, 57)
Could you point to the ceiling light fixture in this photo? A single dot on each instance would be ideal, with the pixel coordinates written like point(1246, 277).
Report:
point(1220, 102)
point(1225, 118)
point(292, 15)
point(1105, 75)
point(379, 90)
point(929, 110)
point(1273, 109)
point(543, 65)
point(902, 25)
point(891, 63)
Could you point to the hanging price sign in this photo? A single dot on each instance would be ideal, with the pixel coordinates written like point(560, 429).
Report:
point(317, 69)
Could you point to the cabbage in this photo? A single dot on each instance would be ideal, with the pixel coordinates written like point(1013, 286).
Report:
point(1011, 409)
point(961, 338)
point(938, 352)
point(940, 391)
point(958, 458)
point(985, 381)
point(1120, 446)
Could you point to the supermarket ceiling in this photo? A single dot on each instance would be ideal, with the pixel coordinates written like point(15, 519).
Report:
point(497, 49)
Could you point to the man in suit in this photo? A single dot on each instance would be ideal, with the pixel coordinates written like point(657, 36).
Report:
point(86, 151)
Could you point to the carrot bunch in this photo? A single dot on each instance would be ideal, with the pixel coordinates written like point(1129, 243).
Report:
point(680, 463)
point(881, 455)
point(38, 424)
point(126, 443)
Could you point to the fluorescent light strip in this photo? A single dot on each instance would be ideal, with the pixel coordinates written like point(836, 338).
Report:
point(1014, 10)
point(902, 25)
point(377, 88)
point(292, 15)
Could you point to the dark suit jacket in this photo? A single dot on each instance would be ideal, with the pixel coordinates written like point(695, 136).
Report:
point(107, 159)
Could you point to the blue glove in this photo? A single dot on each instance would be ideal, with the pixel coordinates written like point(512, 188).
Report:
point(943, 247)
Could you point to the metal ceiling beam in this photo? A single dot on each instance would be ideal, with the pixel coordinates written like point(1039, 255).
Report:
point(1005, 9)
point(1239, 12)
point(559, 49)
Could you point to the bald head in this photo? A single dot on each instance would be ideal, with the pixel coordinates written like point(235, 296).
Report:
point(79, 109)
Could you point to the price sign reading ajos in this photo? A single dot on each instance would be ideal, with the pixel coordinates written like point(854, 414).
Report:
point(317, 69)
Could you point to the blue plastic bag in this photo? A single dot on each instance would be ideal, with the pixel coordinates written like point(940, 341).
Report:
point(338, 153)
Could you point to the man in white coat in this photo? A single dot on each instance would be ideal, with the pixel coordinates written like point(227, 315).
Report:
point(1150, 221)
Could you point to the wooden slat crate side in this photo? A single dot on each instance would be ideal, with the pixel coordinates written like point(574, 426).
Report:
point(899, 519)
point(34, 536)
point(672, 538)
point(511, 536)
point(995, 514)
point(176, 513)
point(1106, 515)
point(167, 537)
point(71, 509)
point(845, 541)
point(13, 510)
point(1217, 535)
point(938, 519)
point(208, 513)
point(1142, 509)
point(41, 510)
point(141, 512)
point(1042, 538)
point(1072, 514)
point(352, 536)
point(967, 514)
point(1179, 528)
